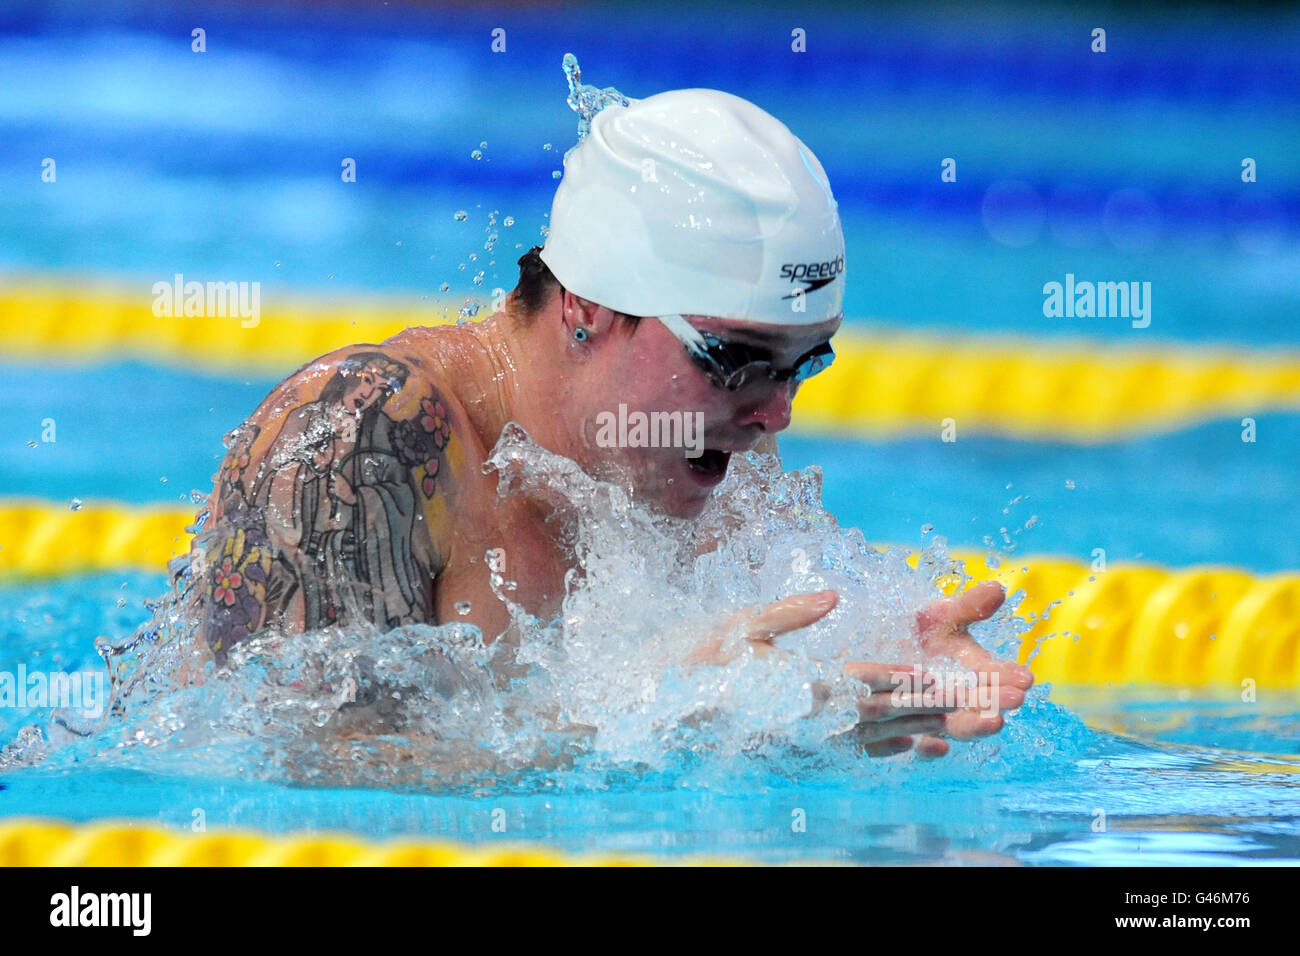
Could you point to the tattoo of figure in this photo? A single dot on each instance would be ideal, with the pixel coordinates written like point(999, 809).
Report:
point(331, 525)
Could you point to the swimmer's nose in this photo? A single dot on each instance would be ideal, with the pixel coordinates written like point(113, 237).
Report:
point(771, 413)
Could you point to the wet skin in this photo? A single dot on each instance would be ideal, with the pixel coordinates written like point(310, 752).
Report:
point(369, 462)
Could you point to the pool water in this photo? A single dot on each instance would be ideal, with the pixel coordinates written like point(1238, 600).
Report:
point(226, 166)
point(1140, 779)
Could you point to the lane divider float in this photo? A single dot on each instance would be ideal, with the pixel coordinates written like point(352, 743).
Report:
point(37, 842)
point(1189, 627)
point(885, 382)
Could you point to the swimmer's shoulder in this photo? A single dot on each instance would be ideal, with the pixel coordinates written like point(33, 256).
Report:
point(434, 377)
point(454, 361)
point(356, 464)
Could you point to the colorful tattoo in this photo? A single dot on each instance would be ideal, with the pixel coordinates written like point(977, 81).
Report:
point(331, 524)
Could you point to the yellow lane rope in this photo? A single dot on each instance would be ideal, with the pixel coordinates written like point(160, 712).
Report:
point(1191, 627)
point(34, 842)
point(53, 324)
point(884, 382)
point(884, 385)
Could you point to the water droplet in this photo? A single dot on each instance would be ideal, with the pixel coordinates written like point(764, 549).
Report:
point(399, 242)
point(163, 479)
point(993, 562)
point(1069, 484)
point(74, 504)
point(444, 287)
point(32, 443)
point(477, 154)
point(483, 145)
point(556, 174)
point(330, 276)
point(463, 607)
point(508, 221)
point(473, 257)
point(460, 215)
point(547, 146)
point(926, 528)
point(121, 602)
point(277, 263)
point(587, 100)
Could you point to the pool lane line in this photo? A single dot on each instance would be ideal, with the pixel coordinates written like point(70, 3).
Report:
point(42, 842)
point(1132, 623)
point(885, 382)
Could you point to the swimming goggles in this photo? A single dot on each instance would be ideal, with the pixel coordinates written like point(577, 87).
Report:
point(731, 365)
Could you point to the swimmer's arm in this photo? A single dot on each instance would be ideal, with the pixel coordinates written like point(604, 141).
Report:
point(308, 484)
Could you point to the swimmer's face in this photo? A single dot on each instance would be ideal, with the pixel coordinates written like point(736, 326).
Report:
point(648, 370)
point(364, 389)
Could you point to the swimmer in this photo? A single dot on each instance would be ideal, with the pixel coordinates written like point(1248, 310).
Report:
point(694, 264)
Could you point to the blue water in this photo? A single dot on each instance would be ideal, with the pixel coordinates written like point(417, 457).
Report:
point(1196, 495)
point(1197, 781)
point(225, 165)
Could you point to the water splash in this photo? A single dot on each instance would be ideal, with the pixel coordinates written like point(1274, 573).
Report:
point(604, 689)
point(587, 100)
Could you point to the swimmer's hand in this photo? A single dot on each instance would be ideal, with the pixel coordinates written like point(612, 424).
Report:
point(887, 720)
point(944, 632)
point(758, 629)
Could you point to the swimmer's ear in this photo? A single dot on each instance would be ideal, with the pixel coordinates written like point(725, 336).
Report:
point(577, 312)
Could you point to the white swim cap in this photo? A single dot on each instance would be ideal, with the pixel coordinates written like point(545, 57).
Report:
point(697, 202)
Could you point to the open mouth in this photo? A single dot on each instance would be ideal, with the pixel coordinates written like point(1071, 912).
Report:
point(710, 464)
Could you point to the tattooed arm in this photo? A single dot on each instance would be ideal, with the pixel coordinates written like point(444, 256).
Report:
point(320, 514)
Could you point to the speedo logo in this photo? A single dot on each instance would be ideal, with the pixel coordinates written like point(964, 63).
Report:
point(813, 275)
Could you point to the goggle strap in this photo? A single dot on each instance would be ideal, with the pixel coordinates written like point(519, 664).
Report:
point(689, 335)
